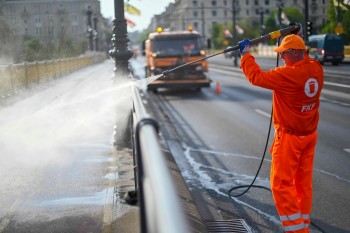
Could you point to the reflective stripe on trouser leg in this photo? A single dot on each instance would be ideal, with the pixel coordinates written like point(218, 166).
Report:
point(306, 218)
point(292, 223)
point(286, 152)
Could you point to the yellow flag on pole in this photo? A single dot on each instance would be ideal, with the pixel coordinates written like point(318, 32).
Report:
point(131, 9)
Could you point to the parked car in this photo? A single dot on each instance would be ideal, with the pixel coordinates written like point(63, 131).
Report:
point(326, 48)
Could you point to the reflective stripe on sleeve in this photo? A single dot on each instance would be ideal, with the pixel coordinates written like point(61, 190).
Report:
point(306, 216)
point(294, 227)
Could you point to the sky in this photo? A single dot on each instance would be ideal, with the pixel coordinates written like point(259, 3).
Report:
point(148, 9)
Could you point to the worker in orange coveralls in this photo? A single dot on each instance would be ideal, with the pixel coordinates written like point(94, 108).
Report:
point(296, 100)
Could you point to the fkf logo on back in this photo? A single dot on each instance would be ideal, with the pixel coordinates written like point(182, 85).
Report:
point(310, 89)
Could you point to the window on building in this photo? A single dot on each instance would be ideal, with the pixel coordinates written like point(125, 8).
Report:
point(267, 2)
point(256, 3)
point(49, 8)
point(75, 29)
point(50, 31)
point(247, 2)
point(11, 9)
point(247, 12)
point(194, 3)
point(37, 8)
point(195, 25)
point(61, 8)
point(213, 3)
point(213, 13)
point(13, 20)
point(37, 19)
point(225, 13)
point(195, 14)
point(225, 3)
point(38, 31)
point(74, 18)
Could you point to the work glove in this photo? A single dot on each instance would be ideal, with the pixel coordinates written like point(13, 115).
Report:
point(244, 46)
point(299, 31)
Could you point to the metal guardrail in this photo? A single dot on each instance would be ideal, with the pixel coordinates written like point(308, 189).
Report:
point(160, 208)
point(17, 77)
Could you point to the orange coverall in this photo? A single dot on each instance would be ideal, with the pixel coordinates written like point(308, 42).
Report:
point(296, 99)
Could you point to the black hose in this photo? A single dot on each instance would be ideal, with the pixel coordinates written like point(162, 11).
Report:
point(256, 175)
point(262, 159)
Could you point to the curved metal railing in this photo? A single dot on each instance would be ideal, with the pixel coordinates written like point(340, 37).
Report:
point(160, 208)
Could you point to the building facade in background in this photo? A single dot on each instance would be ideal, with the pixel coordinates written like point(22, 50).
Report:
point(203, 14)
point(52, 21)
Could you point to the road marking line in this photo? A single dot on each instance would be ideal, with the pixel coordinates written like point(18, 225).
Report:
point(337, 84)
point(263, 113)
point(347, 150)
point(335, 101)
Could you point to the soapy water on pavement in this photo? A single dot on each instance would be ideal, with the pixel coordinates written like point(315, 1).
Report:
point(74, 117)
point(48, 125)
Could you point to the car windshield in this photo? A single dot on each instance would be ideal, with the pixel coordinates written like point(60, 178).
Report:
point(176, 46)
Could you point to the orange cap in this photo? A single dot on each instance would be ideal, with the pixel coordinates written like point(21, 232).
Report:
point(290, 42)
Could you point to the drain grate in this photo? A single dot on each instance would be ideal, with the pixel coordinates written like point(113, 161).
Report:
point(228, 226)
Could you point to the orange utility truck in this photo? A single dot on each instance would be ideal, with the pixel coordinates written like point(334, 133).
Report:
point(167, 50)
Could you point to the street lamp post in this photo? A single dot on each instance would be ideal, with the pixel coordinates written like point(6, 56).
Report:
point(120, 53)
point(95, 32)
point(234, 30)
point(306, 19)
point(89, 27)
point(262, 27)
point(280, 6)
point(203, 22)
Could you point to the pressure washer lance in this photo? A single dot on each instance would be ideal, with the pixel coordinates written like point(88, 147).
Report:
point(267, 37)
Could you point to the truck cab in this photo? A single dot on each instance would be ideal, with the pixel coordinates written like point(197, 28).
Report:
point(167, 50)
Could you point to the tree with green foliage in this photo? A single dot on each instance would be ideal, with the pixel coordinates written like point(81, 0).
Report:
point(252, 26)
point(35, 50)
point(218, 37)
point(293, 15)
point(332, 20)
